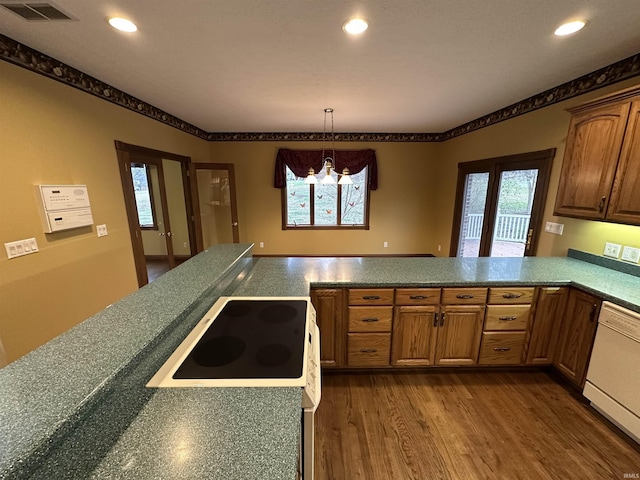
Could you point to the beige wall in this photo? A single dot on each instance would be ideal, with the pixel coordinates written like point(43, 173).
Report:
point(54, 134)
point(402, 209)
point(538, 130)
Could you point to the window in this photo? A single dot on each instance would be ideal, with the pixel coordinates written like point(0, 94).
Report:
point(144, 196)
point(326, 206)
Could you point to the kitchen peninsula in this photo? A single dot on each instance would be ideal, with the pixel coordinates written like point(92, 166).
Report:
point(78, 406)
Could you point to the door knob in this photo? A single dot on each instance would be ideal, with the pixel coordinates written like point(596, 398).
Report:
point(234, 224)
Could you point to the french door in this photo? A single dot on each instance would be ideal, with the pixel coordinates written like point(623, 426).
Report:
point(215, 205)
point(499, 205)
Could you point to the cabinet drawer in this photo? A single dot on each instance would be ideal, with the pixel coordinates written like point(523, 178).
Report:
point(417, 296)
point(371, 296)
point(511, 295)
point(464, 296)
point(501, 348)
point(370, 319)
point(507, 317)
point(368, 349)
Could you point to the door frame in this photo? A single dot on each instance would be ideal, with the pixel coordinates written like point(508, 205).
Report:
point(229, 167)
point(542, 160)
point(127, 153)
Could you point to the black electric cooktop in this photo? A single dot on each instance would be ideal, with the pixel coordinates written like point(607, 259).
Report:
point(250, 339)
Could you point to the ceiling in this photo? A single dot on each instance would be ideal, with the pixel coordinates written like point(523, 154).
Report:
point(273, 66)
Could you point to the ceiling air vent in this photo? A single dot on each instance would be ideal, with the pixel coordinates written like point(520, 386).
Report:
point(37, 11)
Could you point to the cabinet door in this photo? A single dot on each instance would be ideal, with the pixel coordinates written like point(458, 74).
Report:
point(329, 316)
point(414, 335)
point(590, 159)
point(547, 318)
point(459, 335)
point(625, 196)
point(576, 336)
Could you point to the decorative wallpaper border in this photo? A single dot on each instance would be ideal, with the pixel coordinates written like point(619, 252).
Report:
point(14, 52)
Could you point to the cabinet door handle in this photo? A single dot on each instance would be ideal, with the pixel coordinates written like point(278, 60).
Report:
point(601, 204)
point(442, 319)
point(418, 297)
point(464, 296)
point(592, 315)
point(368, 350)
point(507, 319)
point(501, 349)
point(435, 319)
point(512, 295)
point(371, 297)
point(373, 319)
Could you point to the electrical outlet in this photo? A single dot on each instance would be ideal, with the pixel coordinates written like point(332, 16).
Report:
point(556, 228)
point(101, 230)
point(612, 250)
point(631, 254)
point(261, 244)
point(385, 244)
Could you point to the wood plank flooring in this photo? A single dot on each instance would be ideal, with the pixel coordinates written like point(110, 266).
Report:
point(464, 425)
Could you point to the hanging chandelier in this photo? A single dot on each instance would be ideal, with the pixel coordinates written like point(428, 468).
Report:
point(328, 162)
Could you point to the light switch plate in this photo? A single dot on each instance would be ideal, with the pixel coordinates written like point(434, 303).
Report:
point(612, 250)
point(21, 247)
point(555, 228)
point(631, 254)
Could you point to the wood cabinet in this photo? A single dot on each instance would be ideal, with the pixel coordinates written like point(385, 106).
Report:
point(505, 326)
point(601, 167)
point(576, 335)
point(329, 305)
point(414, 335)
point(370, 316)
point(547, 317)
point(460, 331)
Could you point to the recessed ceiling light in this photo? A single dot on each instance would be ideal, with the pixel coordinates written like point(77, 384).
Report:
point(569, 28)
point(355, 26)
point(122, 24)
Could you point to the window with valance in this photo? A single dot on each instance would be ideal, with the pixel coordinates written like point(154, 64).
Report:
point(325, 206)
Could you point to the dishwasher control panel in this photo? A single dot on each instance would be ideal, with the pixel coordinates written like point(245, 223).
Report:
point(620, 319)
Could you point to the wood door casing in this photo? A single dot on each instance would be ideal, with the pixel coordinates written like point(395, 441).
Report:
point(576, 336)
point(459, 334)
point(590, 159)
point(624, 205)
point(414, 335)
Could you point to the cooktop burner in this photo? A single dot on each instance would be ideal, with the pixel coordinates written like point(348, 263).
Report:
point(250, 339)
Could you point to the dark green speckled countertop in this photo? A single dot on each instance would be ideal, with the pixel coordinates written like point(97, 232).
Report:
point(77, 407)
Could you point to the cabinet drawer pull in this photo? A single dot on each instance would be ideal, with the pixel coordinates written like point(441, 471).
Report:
point(369, 320)
point(464, 296)
point(371, 297)
point(368, 350)
point(501, 349)
point(418, 297)
point(512, 295)
point(508, 319)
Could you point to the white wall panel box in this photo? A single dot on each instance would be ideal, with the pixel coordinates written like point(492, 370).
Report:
point(63, 207)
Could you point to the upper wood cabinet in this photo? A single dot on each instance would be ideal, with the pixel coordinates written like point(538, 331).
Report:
point(601, 165)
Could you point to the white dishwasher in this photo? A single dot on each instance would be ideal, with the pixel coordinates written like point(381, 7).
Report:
point(613, 378)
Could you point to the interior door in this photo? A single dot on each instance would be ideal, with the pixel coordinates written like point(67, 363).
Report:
point(499, 205)
point(159, 210)
point(216, 204)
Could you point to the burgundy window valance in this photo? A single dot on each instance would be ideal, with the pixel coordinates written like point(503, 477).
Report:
point(299, 161)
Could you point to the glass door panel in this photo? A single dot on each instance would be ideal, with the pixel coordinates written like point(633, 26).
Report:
point(217, 210)
point(473, 207)
point(177, 224)
point(513, 214)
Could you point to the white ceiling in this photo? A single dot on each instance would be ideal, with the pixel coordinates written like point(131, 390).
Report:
point(273, 66)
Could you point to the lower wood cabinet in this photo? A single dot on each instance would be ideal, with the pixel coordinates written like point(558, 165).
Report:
point(368, 349)
point(414, 335)
point(329, 305)
point(459, 334)
point(576, 335)
point(547, 318)
point(501, 348)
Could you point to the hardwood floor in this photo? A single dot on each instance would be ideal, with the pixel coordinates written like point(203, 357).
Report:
point(463, 425)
